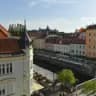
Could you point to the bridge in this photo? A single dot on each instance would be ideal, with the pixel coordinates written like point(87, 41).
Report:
point(79, 88)
point(57, 62)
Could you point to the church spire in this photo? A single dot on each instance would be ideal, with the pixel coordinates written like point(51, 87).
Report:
point(25, 25)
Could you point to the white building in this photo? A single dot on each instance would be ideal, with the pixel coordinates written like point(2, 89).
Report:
point(58, 45)
point(16, 69)
point(77, 47)
point(50, 46)
point(50, 43)
point(62, 46)
point(68, 45)
point(38, 39)
point(39, 43)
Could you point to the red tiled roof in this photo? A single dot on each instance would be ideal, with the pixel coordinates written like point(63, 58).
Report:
point(66, 40)
point(57, 40)
point(71, 40)
point(9, 46)
point(53, 40)
point(3, 32)
point(78, 41)
point(91, 26)
point(36, 34)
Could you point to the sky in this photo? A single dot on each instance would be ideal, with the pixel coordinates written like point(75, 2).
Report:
point(64, 15)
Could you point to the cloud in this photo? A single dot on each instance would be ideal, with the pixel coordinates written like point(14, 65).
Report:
point(33, 3)
point(88, 18)
point(59, 1)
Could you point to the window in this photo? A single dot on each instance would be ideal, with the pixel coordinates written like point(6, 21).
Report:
point(0, 92)
point(72, 51)
point(3, 91)
point(89, 34)
point(76, 51)
point(0, 69)
point(7, 68)
point(3, 69)
point(80, 52)
point(11, 67)
point(94, 46)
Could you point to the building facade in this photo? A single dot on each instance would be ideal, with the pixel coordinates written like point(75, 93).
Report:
point(39, 43)
point(16, 70)
point(91, 41)
point(62, 46)
point(38, 39)
point(77, 47)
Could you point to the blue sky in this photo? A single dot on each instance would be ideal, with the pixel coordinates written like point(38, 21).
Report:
point(64, 15)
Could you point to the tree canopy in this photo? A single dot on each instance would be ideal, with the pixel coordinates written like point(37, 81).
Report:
point(89, 87)
point(66, 77)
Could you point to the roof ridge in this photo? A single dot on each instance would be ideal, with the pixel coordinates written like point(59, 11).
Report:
point(4, 30)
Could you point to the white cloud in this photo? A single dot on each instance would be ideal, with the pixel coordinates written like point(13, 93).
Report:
point(33, 3)
point(59, 1)
point(89, 19)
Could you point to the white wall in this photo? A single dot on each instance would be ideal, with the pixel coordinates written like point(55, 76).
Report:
point(72, 49)
point(13, 80)
point(19, 82)
point(49, 46)
point(39, 43)
point(77, 49)
point(62, 48)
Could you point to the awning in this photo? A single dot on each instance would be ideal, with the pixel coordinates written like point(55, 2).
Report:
point(36, 86)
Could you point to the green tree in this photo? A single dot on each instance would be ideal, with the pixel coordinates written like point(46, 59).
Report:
point(89, 87)
point(17, 29)
point(67, 79)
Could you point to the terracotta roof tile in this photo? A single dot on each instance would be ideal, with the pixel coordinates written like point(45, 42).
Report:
point(36, 34)
point(3, 32)
point(78, 41)
point(91, 26)
point(71, 40)
point(9, 46)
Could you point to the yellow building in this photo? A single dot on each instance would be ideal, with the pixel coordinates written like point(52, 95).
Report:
point(91, 41)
